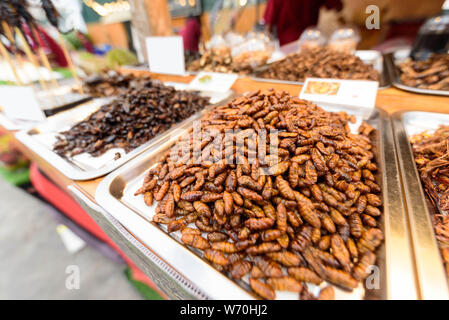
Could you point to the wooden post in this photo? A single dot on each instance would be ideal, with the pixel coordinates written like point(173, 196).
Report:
point(31, 57)
point(159, 17)
point(150, 18)
point(5, 54)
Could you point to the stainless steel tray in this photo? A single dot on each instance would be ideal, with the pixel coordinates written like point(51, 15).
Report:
point(429, 265)
point(367, 56)
point(394, 74)
point(40, 139)
point(116, 195)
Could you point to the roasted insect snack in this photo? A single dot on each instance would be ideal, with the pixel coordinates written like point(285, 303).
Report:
point(221, 60)
point(319, 63)
point(132, 119)
point(276, 189)
point(431, 151)
point(432, 73)
point(112, 83)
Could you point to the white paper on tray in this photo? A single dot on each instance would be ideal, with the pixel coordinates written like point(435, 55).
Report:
point(213, 81)
point(214, 97)
point(358, 96)
point(20, 102)
point(166, 55)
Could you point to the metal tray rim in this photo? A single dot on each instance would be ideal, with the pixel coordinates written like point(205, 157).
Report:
point(432, 278)
point(128, 217)
point(396, 82)
point(385, 82)
point(74, 173)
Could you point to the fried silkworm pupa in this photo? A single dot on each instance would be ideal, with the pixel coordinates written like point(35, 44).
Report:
point(262, 289)
point(224, 246)
point(215, 257)
point(304, 275)
point(202, 208)
point(195, 241)
point(217, 237)
point(240, 268)
point(281, 217)
point(271, 234)
point(286, 258)
point(362, 269)
point(340, 278)
point(263, 248)
point(188, 230)
point(191, 196)
point(257, 273)
point(370, 240)
point(269, 268)
point(148, 198)
point(228, 203)
point(340, 252)
point(259, 224)
point(327, 293)
point(285, 284)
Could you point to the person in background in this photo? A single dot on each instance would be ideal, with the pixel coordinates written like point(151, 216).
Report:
point(291, 17)
point(191, 34)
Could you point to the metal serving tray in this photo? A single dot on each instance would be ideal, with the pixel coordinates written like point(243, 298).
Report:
point(391, 60)
point(41, 138)
point(116, 195)
point(429, 265)
point(372, 57)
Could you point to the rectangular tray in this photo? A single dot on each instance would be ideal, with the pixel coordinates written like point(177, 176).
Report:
point(115, 195)
point(394, 74)
point(367, 56)
point(83, 166)
point(429, 265)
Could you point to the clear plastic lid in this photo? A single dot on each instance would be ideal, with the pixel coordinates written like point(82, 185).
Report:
point(233, 39)
point(436, 24)
point(345, 39)
point(217, 42)
point(312, 37)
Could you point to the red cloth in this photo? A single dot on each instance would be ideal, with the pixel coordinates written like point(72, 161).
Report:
point(191, 34)
point(292, 17)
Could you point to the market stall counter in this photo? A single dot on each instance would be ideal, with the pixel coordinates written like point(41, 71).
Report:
point(169, 280)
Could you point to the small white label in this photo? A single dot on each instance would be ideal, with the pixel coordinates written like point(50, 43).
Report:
point(71, 241)
point(357, 94)
point(166, 55)
point(20, 102)
point(213, 82)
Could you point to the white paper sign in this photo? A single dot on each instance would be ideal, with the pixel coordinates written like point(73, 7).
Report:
point(356, 94)
point(166, 55)
point(20, 102)
point(213, 82)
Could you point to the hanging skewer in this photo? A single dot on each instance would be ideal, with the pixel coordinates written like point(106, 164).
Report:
point(52, 16)
point(5, 55)
point(10, 36)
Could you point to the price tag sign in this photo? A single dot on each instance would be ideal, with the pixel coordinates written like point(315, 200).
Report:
point(166, 55)
point(20, 102)
point(358, 95)
point(213, 82)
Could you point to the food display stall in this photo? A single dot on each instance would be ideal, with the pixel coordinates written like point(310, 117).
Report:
point(350, 204)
